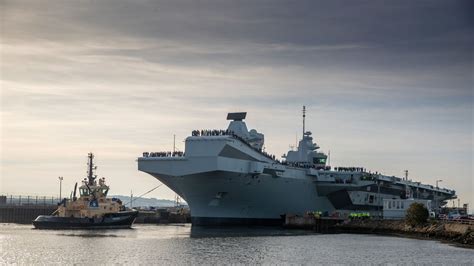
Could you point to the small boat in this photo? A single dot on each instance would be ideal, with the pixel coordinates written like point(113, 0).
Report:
point(92, 210)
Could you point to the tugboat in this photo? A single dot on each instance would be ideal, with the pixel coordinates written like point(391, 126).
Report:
point(92, 210)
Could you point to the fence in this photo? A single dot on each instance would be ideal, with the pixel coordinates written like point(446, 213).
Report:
point(20, 200)
point(24, 209)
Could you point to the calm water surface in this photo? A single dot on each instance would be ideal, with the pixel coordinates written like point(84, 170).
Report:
point(182, 244)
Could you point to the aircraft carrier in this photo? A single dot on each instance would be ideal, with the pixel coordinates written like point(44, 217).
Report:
point(226, 177)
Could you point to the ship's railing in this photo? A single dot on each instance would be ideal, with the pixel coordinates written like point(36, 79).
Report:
point(212, 132)
point(349, 169)
point(429, 187)
point(306, 165)
point(22, 200)
point(164, 154)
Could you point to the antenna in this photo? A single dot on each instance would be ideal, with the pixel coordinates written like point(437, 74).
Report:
point(406, 175)
point(329, 157)
point(304, 116)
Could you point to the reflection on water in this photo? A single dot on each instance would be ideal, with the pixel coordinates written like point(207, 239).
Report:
point(91, 234)
point(183, 244)
point(240, 231)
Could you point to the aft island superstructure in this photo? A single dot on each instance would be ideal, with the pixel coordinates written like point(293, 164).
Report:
point(227, 178)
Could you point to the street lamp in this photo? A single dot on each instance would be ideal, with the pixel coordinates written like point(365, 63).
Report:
point(437, 203)
point(60, 186)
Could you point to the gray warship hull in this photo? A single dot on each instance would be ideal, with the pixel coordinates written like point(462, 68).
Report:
point(221, 187)
point(222, 197)
point(226, 178)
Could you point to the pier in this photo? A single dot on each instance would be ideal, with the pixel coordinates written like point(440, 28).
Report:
point(312, 222)
point(165, 215)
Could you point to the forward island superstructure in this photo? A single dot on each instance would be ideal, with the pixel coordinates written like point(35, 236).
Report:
point(226, 178)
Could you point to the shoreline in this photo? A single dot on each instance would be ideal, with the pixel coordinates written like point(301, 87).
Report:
point(460, 235)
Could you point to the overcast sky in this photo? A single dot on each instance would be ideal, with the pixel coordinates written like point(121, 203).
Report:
point(388, 84)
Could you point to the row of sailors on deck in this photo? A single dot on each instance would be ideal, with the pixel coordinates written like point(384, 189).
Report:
point(211, 132)
point(221, 132)
point(306, 165)
point(164, 154)
point(349, 169)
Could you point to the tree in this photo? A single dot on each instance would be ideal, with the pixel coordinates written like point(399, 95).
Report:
point(417, 214)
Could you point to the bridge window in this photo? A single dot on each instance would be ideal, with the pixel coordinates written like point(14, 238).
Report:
point(104, 191)
point(319, 160)
point(84, 192)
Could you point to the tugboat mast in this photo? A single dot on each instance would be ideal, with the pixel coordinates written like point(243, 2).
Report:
point(90, 173)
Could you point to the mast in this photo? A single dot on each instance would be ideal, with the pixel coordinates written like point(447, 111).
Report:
point(178, 200)
point(304, 116)
point(90, 172)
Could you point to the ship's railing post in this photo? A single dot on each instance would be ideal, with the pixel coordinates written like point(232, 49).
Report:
point(19, 200)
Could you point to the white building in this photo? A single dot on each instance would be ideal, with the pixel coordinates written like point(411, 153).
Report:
point(397, 208)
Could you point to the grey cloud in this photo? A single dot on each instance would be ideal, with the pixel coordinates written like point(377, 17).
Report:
point(422, 36)
point(385, 23)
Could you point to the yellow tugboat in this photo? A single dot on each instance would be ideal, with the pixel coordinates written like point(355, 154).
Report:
point(92, 210)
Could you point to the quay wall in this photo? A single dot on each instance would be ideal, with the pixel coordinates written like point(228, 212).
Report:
point(24, 209)
point(310, 222)
point(163, 216)
point(24, 214)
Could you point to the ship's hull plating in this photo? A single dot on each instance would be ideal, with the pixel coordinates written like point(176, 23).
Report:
point(217, 198)
point(121, 220)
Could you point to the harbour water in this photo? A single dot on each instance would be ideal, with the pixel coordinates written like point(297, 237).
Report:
point(184, 244)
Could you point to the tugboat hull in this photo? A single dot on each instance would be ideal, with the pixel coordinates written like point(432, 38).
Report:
point(121, 220)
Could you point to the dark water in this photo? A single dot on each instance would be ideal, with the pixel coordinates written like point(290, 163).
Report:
point(177, 244)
